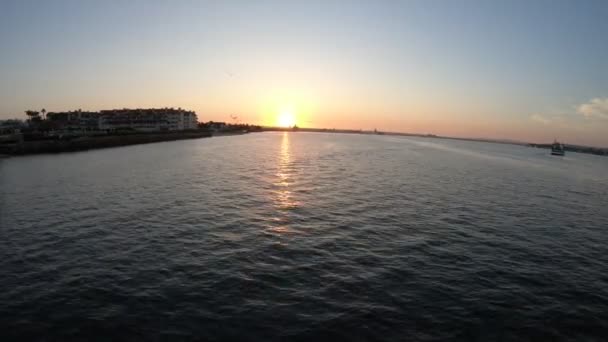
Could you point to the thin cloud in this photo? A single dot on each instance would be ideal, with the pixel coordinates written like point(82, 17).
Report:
point(540, 119)
point(596, 108)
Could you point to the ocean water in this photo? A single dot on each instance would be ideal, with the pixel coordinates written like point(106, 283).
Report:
point(305, 236)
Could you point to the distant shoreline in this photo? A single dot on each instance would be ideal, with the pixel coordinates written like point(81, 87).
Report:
point(83, 143)
point(570, 148)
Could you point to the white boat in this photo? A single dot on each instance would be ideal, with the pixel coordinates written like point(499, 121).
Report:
point(557, 149)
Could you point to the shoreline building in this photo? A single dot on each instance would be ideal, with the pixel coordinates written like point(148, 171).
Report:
point(142, 120)
point(74, 120)
point(11, 126)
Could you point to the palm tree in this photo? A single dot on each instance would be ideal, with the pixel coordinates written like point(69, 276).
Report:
point(33, 115)
point(43, 111)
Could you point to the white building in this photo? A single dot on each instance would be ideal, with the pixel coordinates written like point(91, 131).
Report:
point(182, 120)
point(163, 119)
point(143, 120)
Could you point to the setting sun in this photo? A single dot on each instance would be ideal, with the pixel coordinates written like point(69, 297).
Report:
point(286, 119)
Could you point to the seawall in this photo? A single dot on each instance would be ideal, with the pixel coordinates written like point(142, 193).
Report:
point(95, 142)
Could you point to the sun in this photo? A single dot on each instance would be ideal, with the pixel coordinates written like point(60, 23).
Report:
point(286, 119)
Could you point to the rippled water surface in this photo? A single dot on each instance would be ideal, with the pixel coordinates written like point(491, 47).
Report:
point(302, 236)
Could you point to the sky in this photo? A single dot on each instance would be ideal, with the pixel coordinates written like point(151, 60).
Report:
point(524, 70)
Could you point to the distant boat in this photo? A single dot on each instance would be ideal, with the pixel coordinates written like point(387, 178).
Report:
point(557, 149)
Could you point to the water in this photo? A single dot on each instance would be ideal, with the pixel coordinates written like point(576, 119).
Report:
point(277, 236)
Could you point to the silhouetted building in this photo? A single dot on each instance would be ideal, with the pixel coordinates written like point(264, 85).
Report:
point(74, 120)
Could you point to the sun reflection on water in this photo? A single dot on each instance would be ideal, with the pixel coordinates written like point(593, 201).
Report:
point(283, 196)
point(284, 160)
point(285, 176)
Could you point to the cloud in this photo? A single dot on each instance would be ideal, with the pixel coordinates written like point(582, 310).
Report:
point(557, 120)
point(540, 119)
point(596, 108)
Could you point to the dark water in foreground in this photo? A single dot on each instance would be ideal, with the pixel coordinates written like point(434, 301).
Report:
point(280, 236)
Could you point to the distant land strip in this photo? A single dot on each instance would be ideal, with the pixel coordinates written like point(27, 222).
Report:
point(570, 148)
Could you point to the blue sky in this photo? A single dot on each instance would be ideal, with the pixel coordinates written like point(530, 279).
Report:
point(529, 70)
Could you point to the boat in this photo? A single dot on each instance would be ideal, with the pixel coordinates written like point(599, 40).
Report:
point(557, 149)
